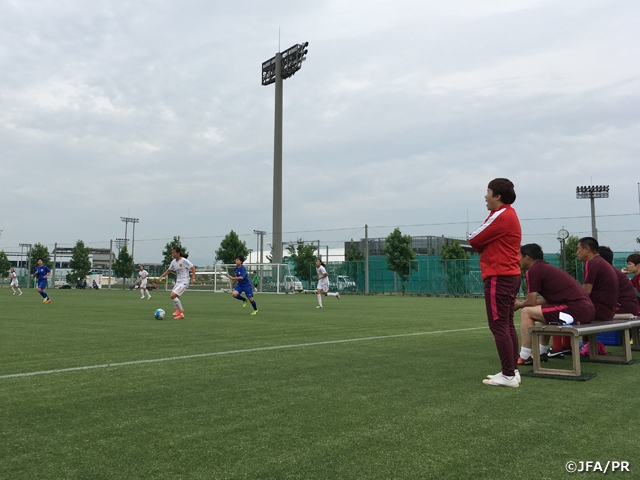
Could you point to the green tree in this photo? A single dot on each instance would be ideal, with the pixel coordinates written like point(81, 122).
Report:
point(304, 257)
point(166, 253)
point(230, 247)
point(571, 255)
point(40, 251)
point(399, 255)
point(455, 265)
point(123, 265)
point(352, 254)
point(5, 264)
point(80, 263)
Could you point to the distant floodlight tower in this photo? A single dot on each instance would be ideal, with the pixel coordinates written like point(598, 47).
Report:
point(274, 70)
point(127, 221)
point(592, 192)
point(120, 242)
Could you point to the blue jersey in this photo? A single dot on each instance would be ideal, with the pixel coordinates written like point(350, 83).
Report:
point(242, 272)
point(41, 272)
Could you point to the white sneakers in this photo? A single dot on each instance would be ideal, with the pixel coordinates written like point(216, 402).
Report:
point(517, 375)
point(500, 380)
point(318, 306)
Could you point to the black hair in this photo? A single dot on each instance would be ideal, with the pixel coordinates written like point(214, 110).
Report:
point(633, 258)
point(40, 258)
point(532, 250)
point(607, 254)
point(590, 243)
point(504, 188)
point(240, 257)
point(178, 250)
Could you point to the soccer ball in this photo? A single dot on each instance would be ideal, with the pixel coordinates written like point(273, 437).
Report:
point(159, 314)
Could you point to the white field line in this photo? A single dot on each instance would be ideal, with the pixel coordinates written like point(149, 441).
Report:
point(231, 352)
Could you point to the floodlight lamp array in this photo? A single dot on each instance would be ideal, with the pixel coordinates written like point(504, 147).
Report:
point(292, 59)
point(593, 191)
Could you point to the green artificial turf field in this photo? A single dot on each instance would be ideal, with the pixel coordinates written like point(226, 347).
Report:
point(379, 387)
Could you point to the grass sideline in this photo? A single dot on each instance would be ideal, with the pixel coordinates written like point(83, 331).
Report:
point(380, 406)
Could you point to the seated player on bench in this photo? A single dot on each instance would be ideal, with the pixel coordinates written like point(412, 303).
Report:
point(563, 301)
point(627, 302)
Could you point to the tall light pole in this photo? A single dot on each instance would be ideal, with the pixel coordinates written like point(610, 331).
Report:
point(127, 221)
point(592, 192)
point(260, 234)
point(275, 70)
point(28, 247)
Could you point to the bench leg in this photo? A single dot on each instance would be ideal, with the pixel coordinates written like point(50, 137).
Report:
point(537, 368)
point(635, 334)
point(575, 353)
point(626, 349)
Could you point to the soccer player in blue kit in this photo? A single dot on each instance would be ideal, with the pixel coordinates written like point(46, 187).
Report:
point(244, 285)
point(42, 272)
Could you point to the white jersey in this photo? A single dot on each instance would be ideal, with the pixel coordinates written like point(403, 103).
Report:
point(143, 275)
point(181, 267)
point(322, 281)
point(14, 278)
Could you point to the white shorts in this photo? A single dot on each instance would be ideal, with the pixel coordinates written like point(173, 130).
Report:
point(14, 282)
point(143, 283)
point(324, 286)
point(179, 288)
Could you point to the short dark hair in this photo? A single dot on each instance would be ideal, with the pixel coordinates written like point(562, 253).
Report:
point(634, 258)
point(504, 188)
point(39, 258)
point(590, 243)
point(532, 250)
point(607, 254)
point(240, 257)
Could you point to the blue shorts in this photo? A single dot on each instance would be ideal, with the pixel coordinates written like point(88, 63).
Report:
point(42, 284)
point(244, 288)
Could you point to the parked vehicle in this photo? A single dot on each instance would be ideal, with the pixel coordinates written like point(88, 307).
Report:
point(292, 284)
point(345, 284)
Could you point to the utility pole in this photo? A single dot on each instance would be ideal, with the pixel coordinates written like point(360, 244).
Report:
point(260, 234)
point(28, 247)
point(53, 274)
point(366, 260)
point(110, 260)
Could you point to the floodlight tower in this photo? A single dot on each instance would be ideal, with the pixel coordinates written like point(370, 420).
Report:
point(121, 242)
point(592, 192)
point(275, 70)
point(127, 221)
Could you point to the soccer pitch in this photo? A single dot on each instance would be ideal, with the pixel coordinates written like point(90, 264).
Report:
point(379, 387)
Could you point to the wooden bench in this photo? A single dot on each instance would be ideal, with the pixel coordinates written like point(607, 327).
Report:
point(629, 325)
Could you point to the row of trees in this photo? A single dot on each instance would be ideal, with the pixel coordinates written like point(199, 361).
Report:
point(398, 253)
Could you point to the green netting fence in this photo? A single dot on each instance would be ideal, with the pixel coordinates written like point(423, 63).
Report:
point(430, 275)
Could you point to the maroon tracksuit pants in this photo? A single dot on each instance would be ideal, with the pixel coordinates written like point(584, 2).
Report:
point(499, 296)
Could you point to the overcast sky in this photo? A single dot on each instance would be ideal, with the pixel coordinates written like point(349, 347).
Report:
point(401, 115)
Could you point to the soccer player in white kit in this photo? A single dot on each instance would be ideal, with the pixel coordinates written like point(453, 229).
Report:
point(14, 281)
point(323, 283)
point(182, 267)
point(143, 275)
